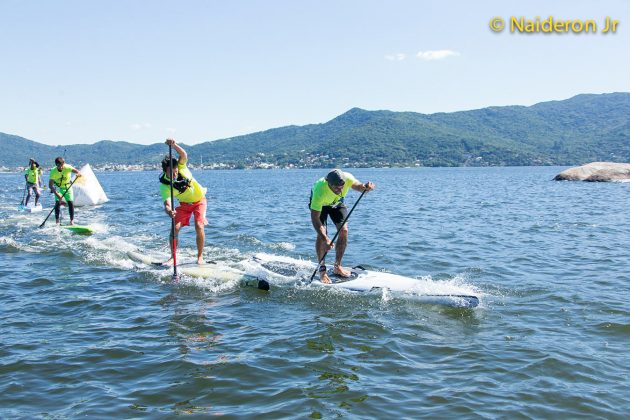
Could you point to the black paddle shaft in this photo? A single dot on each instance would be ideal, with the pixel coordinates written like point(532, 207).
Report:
point(173, 243)
point(337, 234)
point(62, 197)
point(24, 195)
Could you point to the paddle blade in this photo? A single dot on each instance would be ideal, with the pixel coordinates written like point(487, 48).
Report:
point(259, 284)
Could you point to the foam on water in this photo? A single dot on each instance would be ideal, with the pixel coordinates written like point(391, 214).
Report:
point(209, 284)
point(285, 246)
point(12, 243)
point(110, 251)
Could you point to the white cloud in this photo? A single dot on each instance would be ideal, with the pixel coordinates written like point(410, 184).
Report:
point(171, 130)
point(396, 57)
point(436, 55)
point(140, 126)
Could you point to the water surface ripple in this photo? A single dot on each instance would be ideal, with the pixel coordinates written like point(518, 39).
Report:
point(88, 332)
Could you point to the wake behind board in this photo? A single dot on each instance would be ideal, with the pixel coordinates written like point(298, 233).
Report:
point(30, 209)
point(211, 271)
point(366, 281)
point(83, 230)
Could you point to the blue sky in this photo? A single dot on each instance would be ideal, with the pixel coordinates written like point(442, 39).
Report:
point(140, 71)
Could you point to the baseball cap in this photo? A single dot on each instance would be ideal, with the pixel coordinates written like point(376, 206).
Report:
point(336, 177)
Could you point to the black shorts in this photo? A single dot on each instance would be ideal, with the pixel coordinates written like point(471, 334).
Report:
point(337, 214)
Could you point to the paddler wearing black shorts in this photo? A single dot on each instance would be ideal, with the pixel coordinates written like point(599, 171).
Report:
point(327, 200)
point(33, 176)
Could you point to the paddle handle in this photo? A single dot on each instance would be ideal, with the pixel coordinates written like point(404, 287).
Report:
point(337, 234)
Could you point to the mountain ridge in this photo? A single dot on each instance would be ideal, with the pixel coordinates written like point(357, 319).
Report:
point(581, 129)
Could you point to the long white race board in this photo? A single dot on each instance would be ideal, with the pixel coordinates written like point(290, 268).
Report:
point(365, 281)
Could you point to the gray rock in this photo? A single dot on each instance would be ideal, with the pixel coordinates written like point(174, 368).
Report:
point(596, 172)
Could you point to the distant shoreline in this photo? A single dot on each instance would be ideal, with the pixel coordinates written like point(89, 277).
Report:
point(146, 168)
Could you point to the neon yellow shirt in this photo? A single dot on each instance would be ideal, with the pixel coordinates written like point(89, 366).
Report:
point(33, 175)
point(322, 195)
point(61, 179)
point(195, 192)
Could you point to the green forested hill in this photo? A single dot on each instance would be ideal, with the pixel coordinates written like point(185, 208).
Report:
point(582, 129)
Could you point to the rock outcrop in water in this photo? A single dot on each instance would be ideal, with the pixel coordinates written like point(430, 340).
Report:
point(597, 172)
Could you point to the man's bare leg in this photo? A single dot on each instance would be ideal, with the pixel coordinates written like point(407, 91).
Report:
point(321, 247)
point(342, 242)
point(201, 239)
point(178, 226)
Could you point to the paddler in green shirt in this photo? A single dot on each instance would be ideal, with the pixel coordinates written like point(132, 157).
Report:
point(327, 199)
point(190, 194)
point(33, 176)
point(59, 183)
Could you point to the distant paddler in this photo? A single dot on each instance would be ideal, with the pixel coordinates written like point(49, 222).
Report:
point(190, 194)
point(61, 185)
point(33, 175)
point(327, 200)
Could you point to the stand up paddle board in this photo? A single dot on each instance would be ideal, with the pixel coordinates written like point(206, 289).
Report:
point(362, 280)
point(30, 209)
point(83, 230)
point(208, 270)
point(366, 281)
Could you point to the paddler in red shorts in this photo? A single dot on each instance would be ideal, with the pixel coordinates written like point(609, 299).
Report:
point(190, 194)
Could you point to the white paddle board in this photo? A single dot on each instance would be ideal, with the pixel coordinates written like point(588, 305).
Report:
point(210, 271)
point(366, 281)
point(30, 208)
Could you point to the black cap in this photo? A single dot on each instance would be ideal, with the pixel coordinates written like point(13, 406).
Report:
point(336, 177)
point(166, 163)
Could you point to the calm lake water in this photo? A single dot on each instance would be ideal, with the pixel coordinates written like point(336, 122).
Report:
point(85, 331)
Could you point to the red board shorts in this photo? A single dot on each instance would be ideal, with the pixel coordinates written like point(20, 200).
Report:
point(185, 210)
